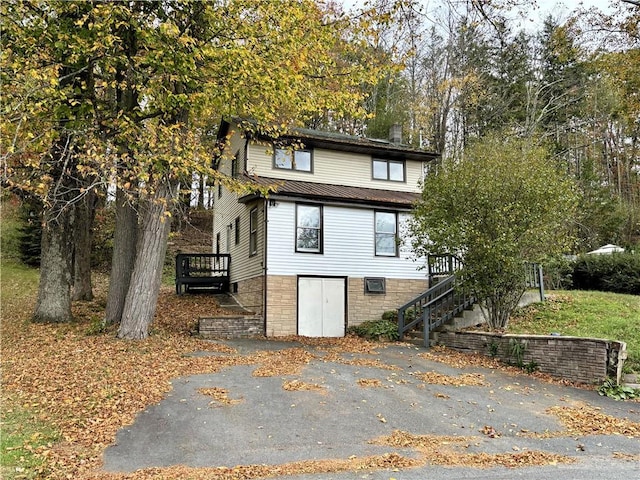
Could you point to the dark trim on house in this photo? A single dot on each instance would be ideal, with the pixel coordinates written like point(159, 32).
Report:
point(320, 232)
point(327, 193)
point(388, 176)
point(293, 159)
point(395, 236)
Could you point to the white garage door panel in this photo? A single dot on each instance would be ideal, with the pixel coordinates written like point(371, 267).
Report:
point(309, 304)
point(321, 307)
point(333, 307)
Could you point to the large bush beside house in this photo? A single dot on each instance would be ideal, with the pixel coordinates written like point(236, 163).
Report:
point(619, 272)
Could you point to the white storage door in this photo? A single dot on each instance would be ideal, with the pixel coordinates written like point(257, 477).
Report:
point(321, 307)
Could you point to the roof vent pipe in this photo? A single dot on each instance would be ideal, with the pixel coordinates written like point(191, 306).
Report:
point(395, 133)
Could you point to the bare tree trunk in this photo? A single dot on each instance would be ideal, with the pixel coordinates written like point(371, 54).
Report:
point(124, 255)
point(142, 297)
point(84, 215)
point(54, 297)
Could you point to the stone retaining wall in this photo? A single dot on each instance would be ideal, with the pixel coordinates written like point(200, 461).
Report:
point(585, 360)
point(232, 327)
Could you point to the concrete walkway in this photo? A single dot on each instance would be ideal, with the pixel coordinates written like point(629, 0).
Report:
point(265, 424)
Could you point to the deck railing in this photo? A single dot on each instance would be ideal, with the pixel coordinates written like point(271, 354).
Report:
point(447, 296)
point(202, 270)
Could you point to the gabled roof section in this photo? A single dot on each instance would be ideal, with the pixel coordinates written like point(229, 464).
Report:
point(342, 142)
point(323, 192)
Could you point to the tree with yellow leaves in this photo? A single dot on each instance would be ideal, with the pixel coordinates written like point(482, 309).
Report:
point(128, 94)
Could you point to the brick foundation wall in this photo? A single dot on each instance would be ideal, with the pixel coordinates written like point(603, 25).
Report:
point(585, 360)
point(370, 307)
point(250, 294)
point(281, 305)
point(231, 327)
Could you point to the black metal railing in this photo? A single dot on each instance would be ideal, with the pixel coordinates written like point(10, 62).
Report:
point(438, 305)
point(202, 270)
point(447, 296)
point(440, 266)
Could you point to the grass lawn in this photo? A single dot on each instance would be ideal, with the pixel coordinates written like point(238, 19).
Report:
point(577, 313)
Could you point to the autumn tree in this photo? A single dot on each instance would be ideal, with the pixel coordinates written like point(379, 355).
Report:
point(502, 204)
point(143, 85)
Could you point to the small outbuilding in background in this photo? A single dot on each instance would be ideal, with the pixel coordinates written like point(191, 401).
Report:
point(606, 250)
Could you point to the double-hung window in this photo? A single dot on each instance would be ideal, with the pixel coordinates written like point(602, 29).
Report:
point(253, 231)
point(392, 170)
point(309, 228)
point(299, 160)
point(386, 228)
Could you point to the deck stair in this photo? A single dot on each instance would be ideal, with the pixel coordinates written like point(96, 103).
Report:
point(447, 305)
point(235, 321)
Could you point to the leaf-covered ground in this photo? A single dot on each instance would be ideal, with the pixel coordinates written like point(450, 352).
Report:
point(87, 386)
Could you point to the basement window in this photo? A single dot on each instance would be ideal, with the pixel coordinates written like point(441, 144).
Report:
point(375, 286)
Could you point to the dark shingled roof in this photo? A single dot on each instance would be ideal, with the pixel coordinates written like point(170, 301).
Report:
point(336, 193)
point(341, 142)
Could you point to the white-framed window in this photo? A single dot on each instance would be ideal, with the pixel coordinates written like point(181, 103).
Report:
point(375, 286)
point(392, 170)
point(253, 231)
point(300, 160)
point(386, 230)
point(308, 228)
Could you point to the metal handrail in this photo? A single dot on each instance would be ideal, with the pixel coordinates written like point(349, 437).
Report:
point(434, 307)
point(447, 298)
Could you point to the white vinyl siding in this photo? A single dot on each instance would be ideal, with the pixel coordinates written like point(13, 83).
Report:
point(335, 168)
point(348, 246)
point(226, 210)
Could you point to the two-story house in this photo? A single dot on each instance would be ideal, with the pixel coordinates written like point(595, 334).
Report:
point(326, 248)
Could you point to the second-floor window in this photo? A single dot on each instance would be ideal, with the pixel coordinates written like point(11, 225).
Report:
point(392, 170)
point(309, 228)
point(293, 159)
point(386, 228)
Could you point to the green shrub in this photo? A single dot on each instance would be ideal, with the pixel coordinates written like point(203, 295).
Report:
point(374, 329)
point(390, 315)
point(618, 392)
point(558, 273)
point(618, 272)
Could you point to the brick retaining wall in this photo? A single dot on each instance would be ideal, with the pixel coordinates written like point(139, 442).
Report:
point(232, 327)
point(585, 360)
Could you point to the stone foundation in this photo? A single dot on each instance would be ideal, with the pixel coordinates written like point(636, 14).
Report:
point(363, 307)
point(281, 305)
point(250, 294)
point(585, 360)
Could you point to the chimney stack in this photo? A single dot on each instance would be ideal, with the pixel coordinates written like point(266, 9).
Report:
point(395, 133)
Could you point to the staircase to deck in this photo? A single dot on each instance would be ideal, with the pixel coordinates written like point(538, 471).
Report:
point(235, 322)
point(448, 305)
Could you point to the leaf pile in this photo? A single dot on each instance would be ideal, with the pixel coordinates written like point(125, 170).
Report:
point(463, 380)
point(458, 359)
point(220, 396)
point(443, 450)
point(290, 361)
point(367, 362)
point(586, 420)
point(246, 472)
point(297, 385)
point(370, 383)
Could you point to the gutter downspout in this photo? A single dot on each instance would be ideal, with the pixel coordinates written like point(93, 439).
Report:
point(265, 209)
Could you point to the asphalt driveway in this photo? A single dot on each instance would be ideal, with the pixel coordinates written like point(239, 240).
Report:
point(356, 398)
